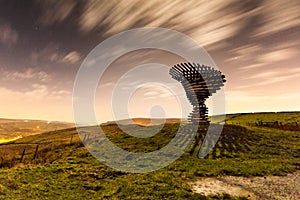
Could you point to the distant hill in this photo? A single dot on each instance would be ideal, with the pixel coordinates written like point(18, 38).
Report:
point(284, 117)
point(146, 121)
point(11, 129)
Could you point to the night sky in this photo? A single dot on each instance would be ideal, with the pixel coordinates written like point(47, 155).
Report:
point(256, 44)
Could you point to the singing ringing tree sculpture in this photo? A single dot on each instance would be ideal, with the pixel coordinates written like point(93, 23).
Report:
point(199, 82)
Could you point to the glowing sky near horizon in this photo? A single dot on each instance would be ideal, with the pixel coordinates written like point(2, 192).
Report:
point(256, 44)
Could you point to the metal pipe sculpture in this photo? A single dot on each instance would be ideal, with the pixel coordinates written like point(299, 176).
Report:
point(199, 82)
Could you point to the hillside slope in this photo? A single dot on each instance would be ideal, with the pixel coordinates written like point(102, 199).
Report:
point(11, 129)
point(64, 169)
point(146, 121)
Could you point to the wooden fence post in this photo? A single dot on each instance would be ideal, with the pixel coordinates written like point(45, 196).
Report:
point(71, 140)
point(22, 155)
point(36, 152)
point(84, 139)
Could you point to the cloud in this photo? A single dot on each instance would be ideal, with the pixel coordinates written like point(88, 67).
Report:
point(155, 91)
point(271, 77)
point(262, 58)
point(35, 91)
point(209, 22)
point(264, 74)
point(276, 79)
point(54, 11)
point(278, 55)
point(61, 92)
point(8, 36)
point(72, 57)
point(50, 52)
point(278, 15)
point(246, 50)
point(38, 90)
point(151, 93)
point(29, 73)
point(38, 102)
point(107, 84)
point(253, 66)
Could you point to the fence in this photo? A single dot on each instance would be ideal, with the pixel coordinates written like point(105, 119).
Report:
point(278, 125)
point(13, 153)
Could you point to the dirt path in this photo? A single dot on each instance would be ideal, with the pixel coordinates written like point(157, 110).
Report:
point(269, 187)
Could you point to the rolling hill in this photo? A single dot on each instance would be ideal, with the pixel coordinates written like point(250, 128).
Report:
point(146, 121)
point(56, 164)
point(11, 129)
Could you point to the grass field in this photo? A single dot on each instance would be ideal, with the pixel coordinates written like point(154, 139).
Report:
point(64, 169)
point(244, 118)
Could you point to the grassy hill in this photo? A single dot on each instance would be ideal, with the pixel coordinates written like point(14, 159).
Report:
point(64, 169)
point(146, 121)
point(244, 118)
point(11, 129)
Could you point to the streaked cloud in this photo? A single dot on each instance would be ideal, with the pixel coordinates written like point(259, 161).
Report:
point(107, 84)
point(278, 15)
point(255, 43)
point(72, 57)
point(272, 77)
point(278, 55)
point(264, 74)
point(262, 56)
point(153, 91)
point(54, 11)
point(208, 22)
point(252, 66)
point(247, 51)
point(277, 79)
